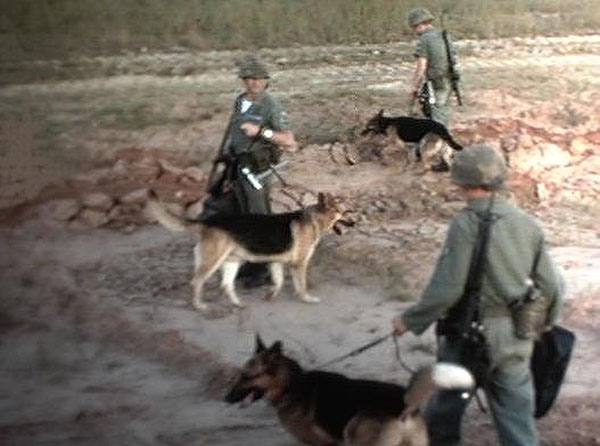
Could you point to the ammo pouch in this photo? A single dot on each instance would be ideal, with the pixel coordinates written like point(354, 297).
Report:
point(529, 315)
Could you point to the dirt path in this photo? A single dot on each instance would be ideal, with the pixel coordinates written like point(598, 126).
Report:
point(103, 346)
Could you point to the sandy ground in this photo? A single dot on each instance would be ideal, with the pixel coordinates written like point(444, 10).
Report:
point(99, 341)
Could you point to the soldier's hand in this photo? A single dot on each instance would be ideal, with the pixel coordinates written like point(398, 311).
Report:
point(398, 325)
point(250, 129)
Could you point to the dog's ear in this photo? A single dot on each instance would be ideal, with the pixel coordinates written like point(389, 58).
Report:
point(276, 348)
point(380, 114)
point(260, 345)
point(321, 198)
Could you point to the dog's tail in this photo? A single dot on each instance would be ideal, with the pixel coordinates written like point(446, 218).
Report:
point(443, 132)
point(439, 376)
point(452, 142)
point(155, 209)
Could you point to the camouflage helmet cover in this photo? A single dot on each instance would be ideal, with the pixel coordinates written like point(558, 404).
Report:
point(252, 66)
point(478, 165)
point(419, 15)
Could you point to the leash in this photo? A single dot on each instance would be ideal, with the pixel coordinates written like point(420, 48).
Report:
point(368, 346)
point(358, 350)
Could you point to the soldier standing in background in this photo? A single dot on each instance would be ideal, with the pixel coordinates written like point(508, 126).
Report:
point(516, 256)
point(257, 130)
point(432, 81)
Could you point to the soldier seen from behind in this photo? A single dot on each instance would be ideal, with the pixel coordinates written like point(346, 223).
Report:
point(434, 78)
point(240, 179)
point(515, 260)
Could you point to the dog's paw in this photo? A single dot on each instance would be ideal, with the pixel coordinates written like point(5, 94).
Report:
point(271, 294)
point(199, 305)
point(310, 299)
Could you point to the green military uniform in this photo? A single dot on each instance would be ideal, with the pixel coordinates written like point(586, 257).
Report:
point(430, 44)
point(255, 153)
point(515, 240)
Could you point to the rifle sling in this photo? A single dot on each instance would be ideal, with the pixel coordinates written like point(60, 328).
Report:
point(466, 311)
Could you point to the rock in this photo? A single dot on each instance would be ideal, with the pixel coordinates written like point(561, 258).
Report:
point(93, 218)
point(579, 146)
point(541, 192)
point(99, 176)
point(98, 201)
point(121, 168)
point(146, 169)
point(175, 209)
point(136, 196)
point(195, 173)
point(526, 160)
point(168, 167)
point(61, 209)
point(450, 208)
point(194, 210)
point(128, 213)
point(554, 156)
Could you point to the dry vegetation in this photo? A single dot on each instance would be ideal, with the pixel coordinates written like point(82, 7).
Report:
point(46, 28)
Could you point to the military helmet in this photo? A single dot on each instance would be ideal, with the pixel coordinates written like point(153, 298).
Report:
point(253, 67)
point(418, 15)
point(478, 165)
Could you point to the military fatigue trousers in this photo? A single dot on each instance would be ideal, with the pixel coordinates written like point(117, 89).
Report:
point(509, 392)
point(251, 200)
point(432, 148)
point(440, 111)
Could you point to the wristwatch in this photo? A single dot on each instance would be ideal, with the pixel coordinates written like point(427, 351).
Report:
point(266, 133)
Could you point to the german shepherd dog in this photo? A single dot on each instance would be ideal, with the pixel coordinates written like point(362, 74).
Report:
point(409, 129)
point(228, 241)
point(326, 409)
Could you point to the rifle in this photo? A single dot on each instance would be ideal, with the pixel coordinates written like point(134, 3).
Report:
point(462, 321)
point(454, 75)
point(215, 186)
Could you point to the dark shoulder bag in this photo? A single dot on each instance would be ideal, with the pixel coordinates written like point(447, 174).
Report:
point(551, 356)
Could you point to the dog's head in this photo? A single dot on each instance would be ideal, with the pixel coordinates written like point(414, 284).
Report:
point(265, 375)
point(331, 212)
point(375, 125)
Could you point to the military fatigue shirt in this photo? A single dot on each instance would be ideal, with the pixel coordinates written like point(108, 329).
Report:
point(430, 44)
point(515, 239)
point(264, 111)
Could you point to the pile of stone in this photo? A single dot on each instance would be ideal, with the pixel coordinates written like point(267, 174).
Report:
point(116, 196)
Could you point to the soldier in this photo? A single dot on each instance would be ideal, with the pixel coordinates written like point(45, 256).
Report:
point(514, 242)
point(432, 75)
point(259, 126)
point(257, 129)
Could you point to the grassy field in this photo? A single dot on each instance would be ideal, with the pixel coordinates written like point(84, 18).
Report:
point(32, 29)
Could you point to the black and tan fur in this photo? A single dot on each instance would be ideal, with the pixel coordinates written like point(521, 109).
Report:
point(228, 241)
point(321, 408)
point(409, 129)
